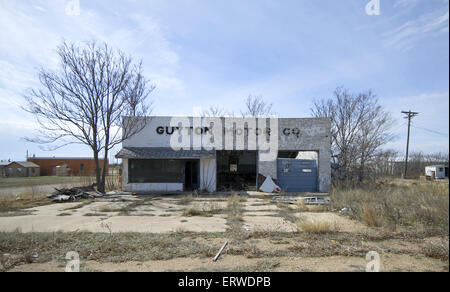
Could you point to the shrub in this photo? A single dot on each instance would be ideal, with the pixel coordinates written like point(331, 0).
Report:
point(370, 217)
point(311, 226)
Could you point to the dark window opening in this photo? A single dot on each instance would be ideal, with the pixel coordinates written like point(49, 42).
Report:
point(155, 171)
point(287, 154)
point(236, 170)
point(191, 172)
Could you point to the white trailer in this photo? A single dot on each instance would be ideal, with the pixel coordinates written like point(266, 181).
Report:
point(437, 171)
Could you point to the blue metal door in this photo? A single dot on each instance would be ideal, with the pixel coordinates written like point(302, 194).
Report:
point(297, 175)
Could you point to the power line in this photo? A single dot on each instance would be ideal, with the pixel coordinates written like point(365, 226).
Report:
point(429, 130)
point(398, 127)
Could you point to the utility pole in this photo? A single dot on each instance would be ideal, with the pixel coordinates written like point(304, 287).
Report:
point(409, 116)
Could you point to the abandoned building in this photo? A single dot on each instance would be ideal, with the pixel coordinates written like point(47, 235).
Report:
point(215, 154)
point(21, 169)
point(71, 165)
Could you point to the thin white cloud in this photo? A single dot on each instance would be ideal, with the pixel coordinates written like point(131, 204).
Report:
point(405, 3)
point(410, 33)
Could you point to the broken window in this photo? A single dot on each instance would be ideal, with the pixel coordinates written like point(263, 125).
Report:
point(154, 171)
point(236, 170)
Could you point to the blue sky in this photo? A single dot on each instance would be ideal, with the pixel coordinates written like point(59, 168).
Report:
point(217, 52)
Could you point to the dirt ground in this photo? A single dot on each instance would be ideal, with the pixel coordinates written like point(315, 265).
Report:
point(159, 215)
point(390, 263)
point(263, 236)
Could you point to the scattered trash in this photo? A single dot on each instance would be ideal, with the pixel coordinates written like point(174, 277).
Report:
point(246, 228)
point(269, 186)
point(306, 200)
point(220, 251)
point(73, 194)
point(346, 211)
point(285, 199)
point(316, 200)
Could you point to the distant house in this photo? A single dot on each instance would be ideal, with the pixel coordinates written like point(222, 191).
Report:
point(21, 169)
point(2, 167)
point(73, 165)
point(437, 171)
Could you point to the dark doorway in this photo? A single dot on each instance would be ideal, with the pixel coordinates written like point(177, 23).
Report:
point(191, 171)
point(236, 170)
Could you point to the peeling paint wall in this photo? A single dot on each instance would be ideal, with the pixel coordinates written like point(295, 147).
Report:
point(314, 135)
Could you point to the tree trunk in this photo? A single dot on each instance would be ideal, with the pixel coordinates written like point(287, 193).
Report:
point(103, 180)
point(97, 171)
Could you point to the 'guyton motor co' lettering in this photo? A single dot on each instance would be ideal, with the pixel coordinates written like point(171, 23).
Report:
point(203, 130)
point(289, 131)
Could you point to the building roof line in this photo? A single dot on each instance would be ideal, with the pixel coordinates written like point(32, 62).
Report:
point(91, 158)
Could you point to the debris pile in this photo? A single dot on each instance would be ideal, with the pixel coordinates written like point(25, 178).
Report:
point(74, 194)
point(306, 200)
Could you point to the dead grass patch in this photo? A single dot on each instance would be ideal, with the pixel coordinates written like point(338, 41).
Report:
point(315, 226)
point(64, 214)
point(303, 207)
point(23, 201)
point(191, 212)
point(81, 205)
point(370, 217)
point(185, 200)
point(95, 214)
point(235, 212)
point(393, 205)
point(437, 250)
point(16, 213)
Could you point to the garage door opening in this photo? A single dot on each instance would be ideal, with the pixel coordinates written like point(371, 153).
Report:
point(236, 170)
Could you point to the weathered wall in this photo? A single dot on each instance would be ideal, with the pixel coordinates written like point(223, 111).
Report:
point(310, 134)
point(48, 165)
point(314, 135)
point(16, 170)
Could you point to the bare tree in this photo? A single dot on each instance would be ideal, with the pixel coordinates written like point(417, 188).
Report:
point(215, 111)
point(386, 162)
point(83, 102)
point(257, 107)
point(359, 127)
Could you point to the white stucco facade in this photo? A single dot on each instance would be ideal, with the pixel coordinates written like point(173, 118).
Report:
point(265, 136)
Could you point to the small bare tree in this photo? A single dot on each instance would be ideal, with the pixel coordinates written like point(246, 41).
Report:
point(215, 111)
point(257, 107)
point(84, 101)
point(359, 127)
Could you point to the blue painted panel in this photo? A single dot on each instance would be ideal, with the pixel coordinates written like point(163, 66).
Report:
point(297, 175)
